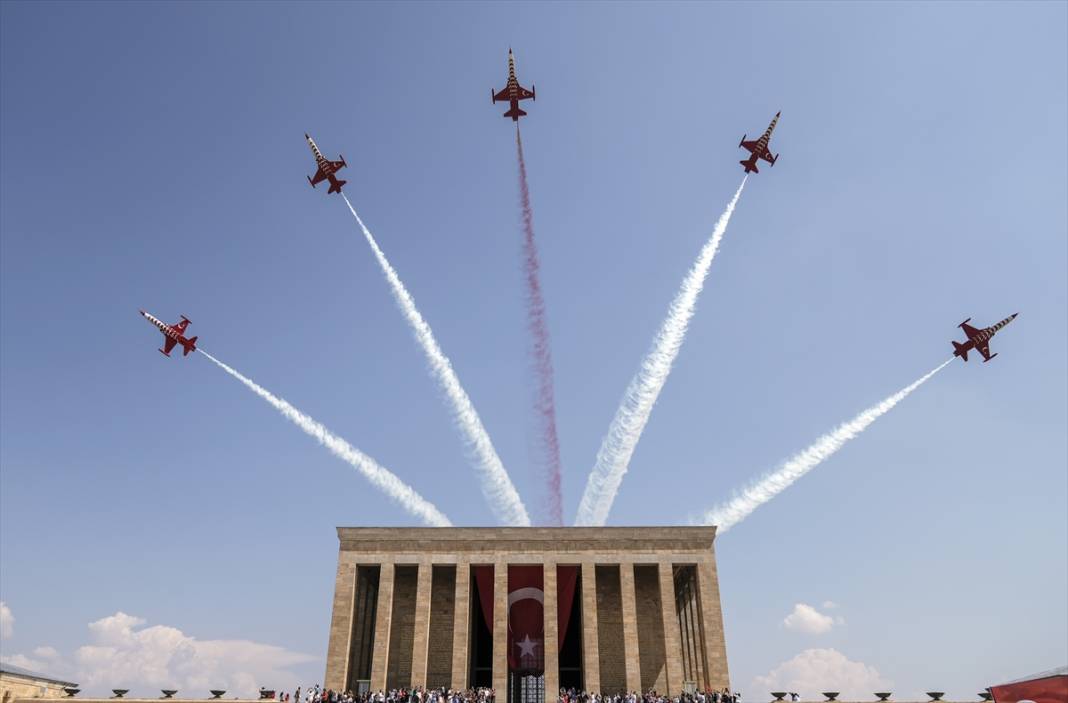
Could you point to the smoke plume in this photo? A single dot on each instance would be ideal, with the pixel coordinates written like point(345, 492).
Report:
point(497, 487)
point(382, 478)
point(729, 514)
point(640, 396)
point(545, 402)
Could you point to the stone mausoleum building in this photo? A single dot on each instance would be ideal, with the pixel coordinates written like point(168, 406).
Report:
point(527, 610)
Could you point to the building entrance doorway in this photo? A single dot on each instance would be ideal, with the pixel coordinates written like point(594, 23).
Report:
point(526, 687)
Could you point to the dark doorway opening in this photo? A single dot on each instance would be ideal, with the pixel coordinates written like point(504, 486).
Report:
point(570, 656)
point(365, 609)
point(480, 673)
point(526, 687)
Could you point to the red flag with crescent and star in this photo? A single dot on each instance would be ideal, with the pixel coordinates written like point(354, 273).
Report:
point(526, 625)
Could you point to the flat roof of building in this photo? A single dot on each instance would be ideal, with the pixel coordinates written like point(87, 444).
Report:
point(26, 673)
point(527, 539)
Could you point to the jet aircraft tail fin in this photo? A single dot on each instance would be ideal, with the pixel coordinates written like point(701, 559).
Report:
point(335, 186)
point(515, 113)
point(960, 351)
point(750, 166)
point(190, 345)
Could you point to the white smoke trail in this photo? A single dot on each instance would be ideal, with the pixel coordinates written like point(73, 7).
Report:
point(728, 514)
point(501, 494)
point(640, 396)
point(384, 479)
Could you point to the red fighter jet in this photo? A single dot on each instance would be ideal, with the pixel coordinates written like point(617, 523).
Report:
point(759, 148)
point(173, 334)
point(513, 92)
point(327, 169)
point(979, 339)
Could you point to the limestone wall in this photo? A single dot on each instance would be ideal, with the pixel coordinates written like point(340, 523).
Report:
point(18, 687)
point(442, 612)
point(651, 645)
point(402, 633)
point(613, 658)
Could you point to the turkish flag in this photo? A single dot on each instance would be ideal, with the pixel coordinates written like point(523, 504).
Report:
point(526, 624)
point(1051, 687)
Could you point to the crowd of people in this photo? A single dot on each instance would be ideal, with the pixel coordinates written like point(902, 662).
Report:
point(315, 694)
point(651, 696)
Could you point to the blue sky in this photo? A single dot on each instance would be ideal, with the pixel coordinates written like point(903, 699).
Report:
point(153, 157)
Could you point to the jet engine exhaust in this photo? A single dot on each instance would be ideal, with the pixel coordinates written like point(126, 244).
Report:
point(382, 478)
point(545, 401)
point(729, 514)
point(497, 487)
point(640, 396)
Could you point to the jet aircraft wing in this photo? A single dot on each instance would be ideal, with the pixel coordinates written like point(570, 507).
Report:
point(524, 93)
point(750, 146)
point(766, 155)
point(503, 95)
point(984, 349)
point(180, 326)
point(168, 344)
point(969, 330)
point(319, 176)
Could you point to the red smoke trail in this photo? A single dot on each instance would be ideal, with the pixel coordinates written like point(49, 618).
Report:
point(545, 401)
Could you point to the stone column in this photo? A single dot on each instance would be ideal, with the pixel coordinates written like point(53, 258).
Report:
point(630, 627)
point(421, 636)
point(461, 626)
point(672, 638)
point(382, 626)
point(591, 662)
point(337, 653)
point(500, 630)
point(549, 608)
point(712, 624)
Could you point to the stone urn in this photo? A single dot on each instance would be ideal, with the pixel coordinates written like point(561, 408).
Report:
point(119, 692)
point(831, 695)
point(216, 693)
point(71, 691)
point(778, 695)
point(986, 695)
point(936, 695)
point(168, 692)
point(882, 695)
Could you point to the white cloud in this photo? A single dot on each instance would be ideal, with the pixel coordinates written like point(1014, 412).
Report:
point(23, 661)
point(164, 657)
point(816, 670)
point(805, 618)
point(123, 653)
point(829, 605)
point(7, 621)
